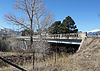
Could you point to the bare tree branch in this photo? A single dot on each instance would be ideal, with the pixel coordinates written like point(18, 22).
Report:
point(47, 21)
point(40, 11)
point(32, 10)
point(14, 20)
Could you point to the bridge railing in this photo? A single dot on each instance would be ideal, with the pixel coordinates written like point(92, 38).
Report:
point(58, 36)
point(67, 36)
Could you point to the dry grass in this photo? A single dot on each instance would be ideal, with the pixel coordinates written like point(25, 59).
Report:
point(63, 63)
point(49, 64)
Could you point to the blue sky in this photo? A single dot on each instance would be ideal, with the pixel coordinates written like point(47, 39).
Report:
point(84, 12)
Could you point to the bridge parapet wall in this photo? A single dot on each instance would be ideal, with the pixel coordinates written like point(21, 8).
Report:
point(67, 36)
point(59, 36)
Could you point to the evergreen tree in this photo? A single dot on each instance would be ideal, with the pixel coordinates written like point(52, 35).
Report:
point(54, 28)
point(68, 26)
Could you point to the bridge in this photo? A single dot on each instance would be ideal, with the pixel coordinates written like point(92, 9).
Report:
point(71, 38)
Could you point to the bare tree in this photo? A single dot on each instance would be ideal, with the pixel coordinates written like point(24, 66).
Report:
point(40, 13)
point(46, 22)
point(30, 9)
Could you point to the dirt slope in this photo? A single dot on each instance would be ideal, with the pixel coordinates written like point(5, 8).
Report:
point(88, 56)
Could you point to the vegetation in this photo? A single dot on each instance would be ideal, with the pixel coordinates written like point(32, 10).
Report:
point(25, 32)
point(67, 26)
point(86, 59)
point(34, 13)
point(54, 28)
point(4, 45)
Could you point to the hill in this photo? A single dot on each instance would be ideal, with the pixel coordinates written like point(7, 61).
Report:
point(7, 31)
point(94, 32)
point(88, 57)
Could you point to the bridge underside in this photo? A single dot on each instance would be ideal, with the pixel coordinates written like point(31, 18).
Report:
point(61, 47)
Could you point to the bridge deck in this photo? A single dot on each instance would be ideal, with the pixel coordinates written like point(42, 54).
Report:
point(73, 38)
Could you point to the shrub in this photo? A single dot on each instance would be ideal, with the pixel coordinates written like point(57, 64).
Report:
point(4, 45)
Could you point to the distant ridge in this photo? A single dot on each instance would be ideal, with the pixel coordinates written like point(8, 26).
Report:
point(7, 31)
point(94, 32)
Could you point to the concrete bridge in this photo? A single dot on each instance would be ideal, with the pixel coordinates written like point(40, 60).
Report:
point(71, 38)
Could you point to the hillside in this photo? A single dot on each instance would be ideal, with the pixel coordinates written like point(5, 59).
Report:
point(88, 57)
point(94, 32)
point(7, 31)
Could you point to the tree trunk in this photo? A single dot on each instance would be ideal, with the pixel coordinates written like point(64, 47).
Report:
point(31, 39)
point(31, 34)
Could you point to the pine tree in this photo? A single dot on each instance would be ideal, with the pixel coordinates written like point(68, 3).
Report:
point(54, 28)
point(68, 26)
